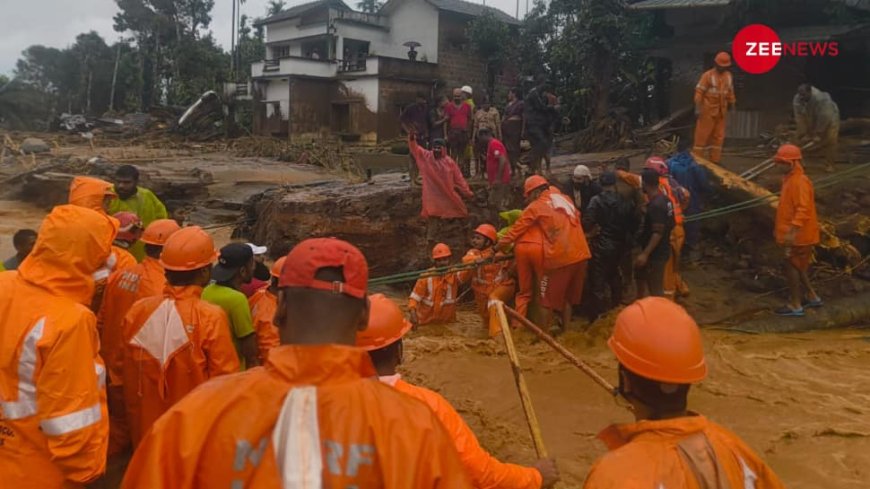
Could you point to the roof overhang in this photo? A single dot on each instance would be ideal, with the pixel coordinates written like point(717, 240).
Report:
point(676, 4)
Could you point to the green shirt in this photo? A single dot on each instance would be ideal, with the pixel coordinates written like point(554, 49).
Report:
point(235, 304)
point(147, 206)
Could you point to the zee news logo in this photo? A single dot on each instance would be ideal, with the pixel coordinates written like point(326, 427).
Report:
point(757, 49)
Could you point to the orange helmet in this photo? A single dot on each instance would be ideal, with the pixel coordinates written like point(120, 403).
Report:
point(189, 248)
point(487, 231)
point(158, 231)
point(533, 183)
point(723, 59)
point(787, 154)
point(658, 164)
point(441, 250)
point(277, 267)
point(386, 326)
point(658, 340)
point(130, 226)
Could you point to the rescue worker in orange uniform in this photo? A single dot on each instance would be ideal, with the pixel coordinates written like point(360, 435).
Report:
point(175, 341)
point(314, 415)
point(123, 289)
point(714, 94)
point(673, 285)
point(54, 426)
point(564, 251)
point(95, 194)
point(796, 230)
point(129, 232)
point(660, 354)
point(491, 281)
point(433, 299)
point(383, 340)
point(528, 247)
point(263, 304)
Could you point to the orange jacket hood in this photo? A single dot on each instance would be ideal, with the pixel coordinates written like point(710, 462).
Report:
point(88, 192)
point(73, 243)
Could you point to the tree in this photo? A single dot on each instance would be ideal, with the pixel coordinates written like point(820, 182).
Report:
point(369, 6)
point(20, 104)
point(275, 7)
point(491, 40)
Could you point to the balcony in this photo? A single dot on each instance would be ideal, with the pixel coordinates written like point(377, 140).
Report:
point(294, 65)
point(298, 66)
point(371, 20)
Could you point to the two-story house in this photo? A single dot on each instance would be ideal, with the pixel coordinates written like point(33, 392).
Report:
point(330, 70)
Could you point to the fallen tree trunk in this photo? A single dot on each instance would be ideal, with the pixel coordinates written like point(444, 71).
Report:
point(839, 313)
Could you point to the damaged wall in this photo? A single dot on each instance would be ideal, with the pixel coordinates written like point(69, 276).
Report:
point(310, 108)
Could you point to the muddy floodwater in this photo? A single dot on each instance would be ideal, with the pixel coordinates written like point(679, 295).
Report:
point(802, 401)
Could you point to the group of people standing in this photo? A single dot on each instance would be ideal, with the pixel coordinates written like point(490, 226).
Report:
point(457, 124)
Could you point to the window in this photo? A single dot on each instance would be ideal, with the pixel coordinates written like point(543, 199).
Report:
point(280, 51)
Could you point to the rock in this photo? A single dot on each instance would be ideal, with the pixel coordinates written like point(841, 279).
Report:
point(34, 145)
point(381, 217)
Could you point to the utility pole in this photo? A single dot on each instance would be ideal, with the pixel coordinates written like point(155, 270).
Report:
point(233, 43)
point(518, 10)
point(114, 78)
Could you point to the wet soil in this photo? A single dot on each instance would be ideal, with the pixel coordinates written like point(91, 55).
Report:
point(801, 401)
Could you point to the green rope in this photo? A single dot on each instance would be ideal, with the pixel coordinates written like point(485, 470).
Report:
point(821, 183)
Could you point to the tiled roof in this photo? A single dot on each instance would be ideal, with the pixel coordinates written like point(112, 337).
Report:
point(472, 9)
point(665, 4)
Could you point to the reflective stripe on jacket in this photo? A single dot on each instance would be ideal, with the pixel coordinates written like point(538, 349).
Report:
point(172, 343)
point(252, 429)
point(54, 426)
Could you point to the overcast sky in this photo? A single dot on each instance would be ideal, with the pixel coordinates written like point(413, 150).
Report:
point(56, 23)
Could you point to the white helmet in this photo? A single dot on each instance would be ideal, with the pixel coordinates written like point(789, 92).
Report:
point(582, 171)
point(467, 89)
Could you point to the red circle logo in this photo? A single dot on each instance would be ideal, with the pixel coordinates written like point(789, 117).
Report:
point(756, 49)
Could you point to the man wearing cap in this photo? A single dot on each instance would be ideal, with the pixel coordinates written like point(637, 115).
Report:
point(583, 187)
point(660, 354)
point(714, 94)
point(235, 267)
point(491, 281)
point(174, 341)
point(123, 289)
point(261, 276)
point(433, 298)
point(315, 413)
point(608, 222)
point(263, 304)
point(382, 339)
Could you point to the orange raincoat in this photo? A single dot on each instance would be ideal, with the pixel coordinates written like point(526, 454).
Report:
point(486, 471)
point(263, 305)
point(54, 427)
point(713, 94)
point(797, 208)
point(123, 289)
point(674, 453)
point(351, 430)
point(172, 343)
point(489, 282)
point(559, 223)
point(434, 298)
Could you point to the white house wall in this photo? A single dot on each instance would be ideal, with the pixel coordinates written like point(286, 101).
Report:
point(290, 29)
point(278, 90)
point(413, 20)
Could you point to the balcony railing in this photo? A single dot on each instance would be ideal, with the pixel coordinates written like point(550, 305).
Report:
point(271, 65)
point(353, 65)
